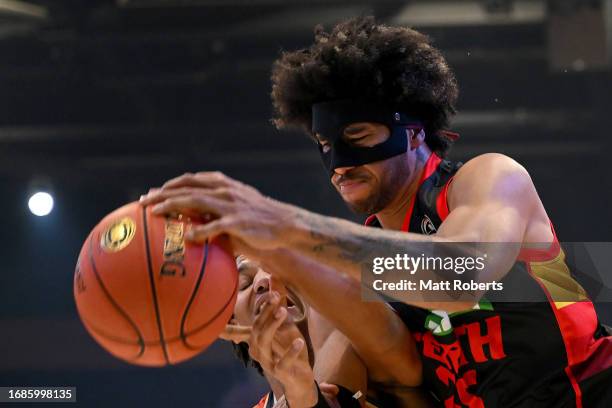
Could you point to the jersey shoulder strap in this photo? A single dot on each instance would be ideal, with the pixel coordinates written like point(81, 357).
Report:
point(430, 207)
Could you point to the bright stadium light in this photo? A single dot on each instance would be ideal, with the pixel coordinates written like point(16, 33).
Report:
point(41, 204)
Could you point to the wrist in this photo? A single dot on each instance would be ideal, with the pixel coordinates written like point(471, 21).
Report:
point(307, 397)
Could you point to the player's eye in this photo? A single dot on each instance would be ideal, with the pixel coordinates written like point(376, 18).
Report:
point(246, 272)
point(244, 281)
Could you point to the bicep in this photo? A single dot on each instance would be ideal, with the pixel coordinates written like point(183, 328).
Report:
point(487, 222)
point(492, 201)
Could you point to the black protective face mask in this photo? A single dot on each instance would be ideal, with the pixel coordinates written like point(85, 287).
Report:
point(329, 119)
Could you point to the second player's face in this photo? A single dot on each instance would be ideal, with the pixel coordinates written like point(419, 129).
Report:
point(254, 289)
point(368, 188)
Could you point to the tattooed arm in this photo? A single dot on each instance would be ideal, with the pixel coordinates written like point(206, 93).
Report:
point(492, 199)
point(502, 208)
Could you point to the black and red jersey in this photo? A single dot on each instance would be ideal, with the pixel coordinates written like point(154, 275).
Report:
point(504, 354)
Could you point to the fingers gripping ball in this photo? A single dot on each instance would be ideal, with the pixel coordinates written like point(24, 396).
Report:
point(147, 296)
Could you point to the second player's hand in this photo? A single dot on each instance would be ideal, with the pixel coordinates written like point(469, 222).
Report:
point(236, 333)
point(279, 347)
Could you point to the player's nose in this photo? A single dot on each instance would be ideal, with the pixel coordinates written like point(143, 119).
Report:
point(343, 170)
point(262, 284)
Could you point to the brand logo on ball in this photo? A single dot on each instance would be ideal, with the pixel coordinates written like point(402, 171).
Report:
point(174, 249)
point(118, 235)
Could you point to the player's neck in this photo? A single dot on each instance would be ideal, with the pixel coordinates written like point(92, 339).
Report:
point(392, 216)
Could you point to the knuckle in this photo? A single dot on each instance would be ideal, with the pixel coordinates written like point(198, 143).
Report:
point(215, 175)
point(226, 193)
point(234, 221)
point(196, 199)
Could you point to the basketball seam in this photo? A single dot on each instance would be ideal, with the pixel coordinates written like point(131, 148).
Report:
point(208, 323)
point(152, 281)
point(106, 336)
point(182, 333)
point(141, 341)
point(193, 295)
point(168, 341)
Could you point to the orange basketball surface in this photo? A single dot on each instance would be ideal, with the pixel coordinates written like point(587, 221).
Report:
point(146, 295)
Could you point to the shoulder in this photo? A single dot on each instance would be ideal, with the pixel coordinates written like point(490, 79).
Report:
point(491, 175)
point(494, 164)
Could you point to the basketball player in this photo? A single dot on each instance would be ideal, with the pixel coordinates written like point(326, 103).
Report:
point(391, 378)
point(375, 99)
point(283, 341)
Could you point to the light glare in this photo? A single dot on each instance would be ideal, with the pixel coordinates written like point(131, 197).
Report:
point(41, 204)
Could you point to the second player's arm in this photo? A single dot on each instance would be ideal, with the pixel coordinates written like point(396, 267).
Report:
point(378, 335)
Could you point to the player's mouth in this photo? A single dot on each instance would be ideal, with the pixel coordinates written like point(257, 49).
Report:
point(260, 302)
point(295, 312)
point(295, 307)
point(292, 310)
point(351, 187)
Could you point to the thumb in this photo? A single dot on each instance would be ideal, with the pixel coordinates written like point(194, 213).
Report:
point(235, 333)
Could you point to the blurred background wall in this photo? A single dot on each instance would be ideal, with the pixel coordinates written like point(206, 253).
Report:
point(102, 99)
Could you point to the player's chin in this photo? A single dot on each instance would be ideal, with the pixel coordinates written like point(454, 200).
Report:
point(358, 197)
point(361, 207)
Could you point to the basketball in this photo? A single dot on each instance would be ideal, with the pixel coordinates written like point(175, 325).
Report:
point(145, 294)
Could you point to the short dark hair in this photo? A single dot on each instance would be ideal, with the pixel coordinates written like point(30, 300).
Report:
point(361, 59)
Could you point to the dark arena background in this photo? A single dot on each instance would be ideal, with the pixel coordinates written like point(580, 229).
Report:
point(101, 99)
